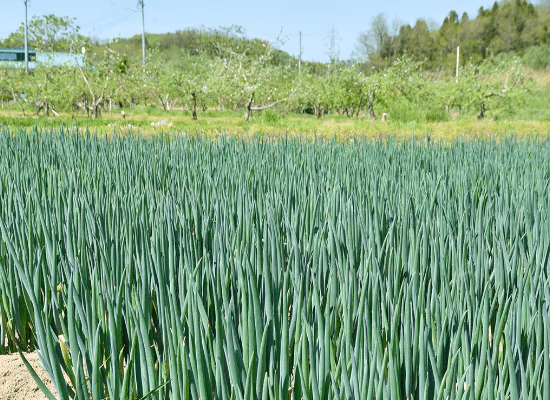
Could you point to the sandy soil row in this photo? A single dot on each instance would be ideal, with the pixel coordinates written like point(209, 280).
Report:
point(16, 383)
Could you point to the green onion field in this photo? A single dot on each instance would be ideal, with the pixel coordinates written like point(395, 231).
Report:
point(178, 267)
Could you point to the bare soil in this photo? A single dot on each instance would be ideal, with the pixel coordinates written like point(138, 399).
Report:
point(16, 383)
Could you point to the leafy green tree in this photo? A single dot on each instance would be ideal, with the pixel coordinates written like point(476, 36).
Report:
point(13, 85)
point(313, 95)
point(449, 39)
point(193, 82)
point(378, 44)
point(106, 80)
point(157, 81)
point(49, 33)
point(496, 83)
point(538, 57)
point(44, 90)
point(403, 91)
point(418, 42)
point(250, 83)
point(348, 91)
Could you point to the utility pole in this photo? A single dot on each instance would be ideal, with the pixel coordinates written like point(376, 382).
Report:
point(457, 62)
point(142, 4)
point(26, 37)
point(300, 57)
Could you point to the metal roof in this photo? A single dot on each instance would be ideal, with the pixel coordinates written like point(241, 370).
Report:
point(8, 50)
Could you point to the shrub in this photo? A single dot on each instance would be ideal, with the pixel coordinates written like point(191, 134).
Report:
point(436, 114)
point(538, 57)
point(402, 110)
point(270, 116)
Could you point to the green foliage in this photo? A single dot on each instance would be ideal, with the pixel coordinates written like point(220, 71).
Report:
point(437, 114)
point(11, 83)
point(252, 80)
point(533, 107)
point(538, 57)
point(270, 117)
point(313, 95)
point(49, 33)
point(501, 82)
point(402, 110)
point(205, 42)
point(512, 26)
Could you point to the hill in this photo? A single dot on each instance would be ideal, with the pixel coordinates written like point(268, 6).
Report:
point(174, 46)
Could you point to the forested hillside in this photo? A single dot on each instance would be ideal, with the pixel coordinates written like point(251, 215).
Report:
point(197, 42)
point(509, 26)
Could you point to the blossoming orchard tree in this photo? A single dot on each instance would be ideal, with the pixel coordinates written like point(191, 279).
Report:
point(158, 82)
point(104, 80)
point(495, 83)
point(253, 83)
point(12, 86)
point(236, 80)
point(192, 83)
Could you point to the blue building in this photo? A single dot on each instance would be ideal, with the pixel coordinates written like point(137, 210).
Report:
point(16, 58)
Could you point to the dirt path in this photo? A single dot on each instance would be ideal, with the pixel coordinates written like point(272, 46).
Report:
point(16, 383)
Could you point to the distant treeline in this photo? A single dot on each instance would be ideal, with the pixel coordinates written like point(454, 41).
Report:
point(510, 26)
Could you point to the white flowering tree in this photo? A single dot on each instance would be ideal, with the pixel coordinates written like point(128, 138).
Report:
point(13, 84)
point(104, 79)
point(495, 83)
point(193, 82)
point(348, 91)
point(252, 83)
point(313, 95)
point(158, 82)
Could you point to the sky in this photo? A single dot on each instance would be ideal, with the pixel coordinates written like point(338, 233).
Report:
point(268, 20)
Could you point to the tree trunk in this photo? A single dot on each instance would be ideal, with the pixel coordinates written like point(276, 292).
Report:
point(39, 107)
point(97, 110)
point(248, 111)
point(319, 109)
point(164, 102)
point(372, 98)
point(194, 100)
point(361, 103)
point(87, 106)
point(483, 110)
